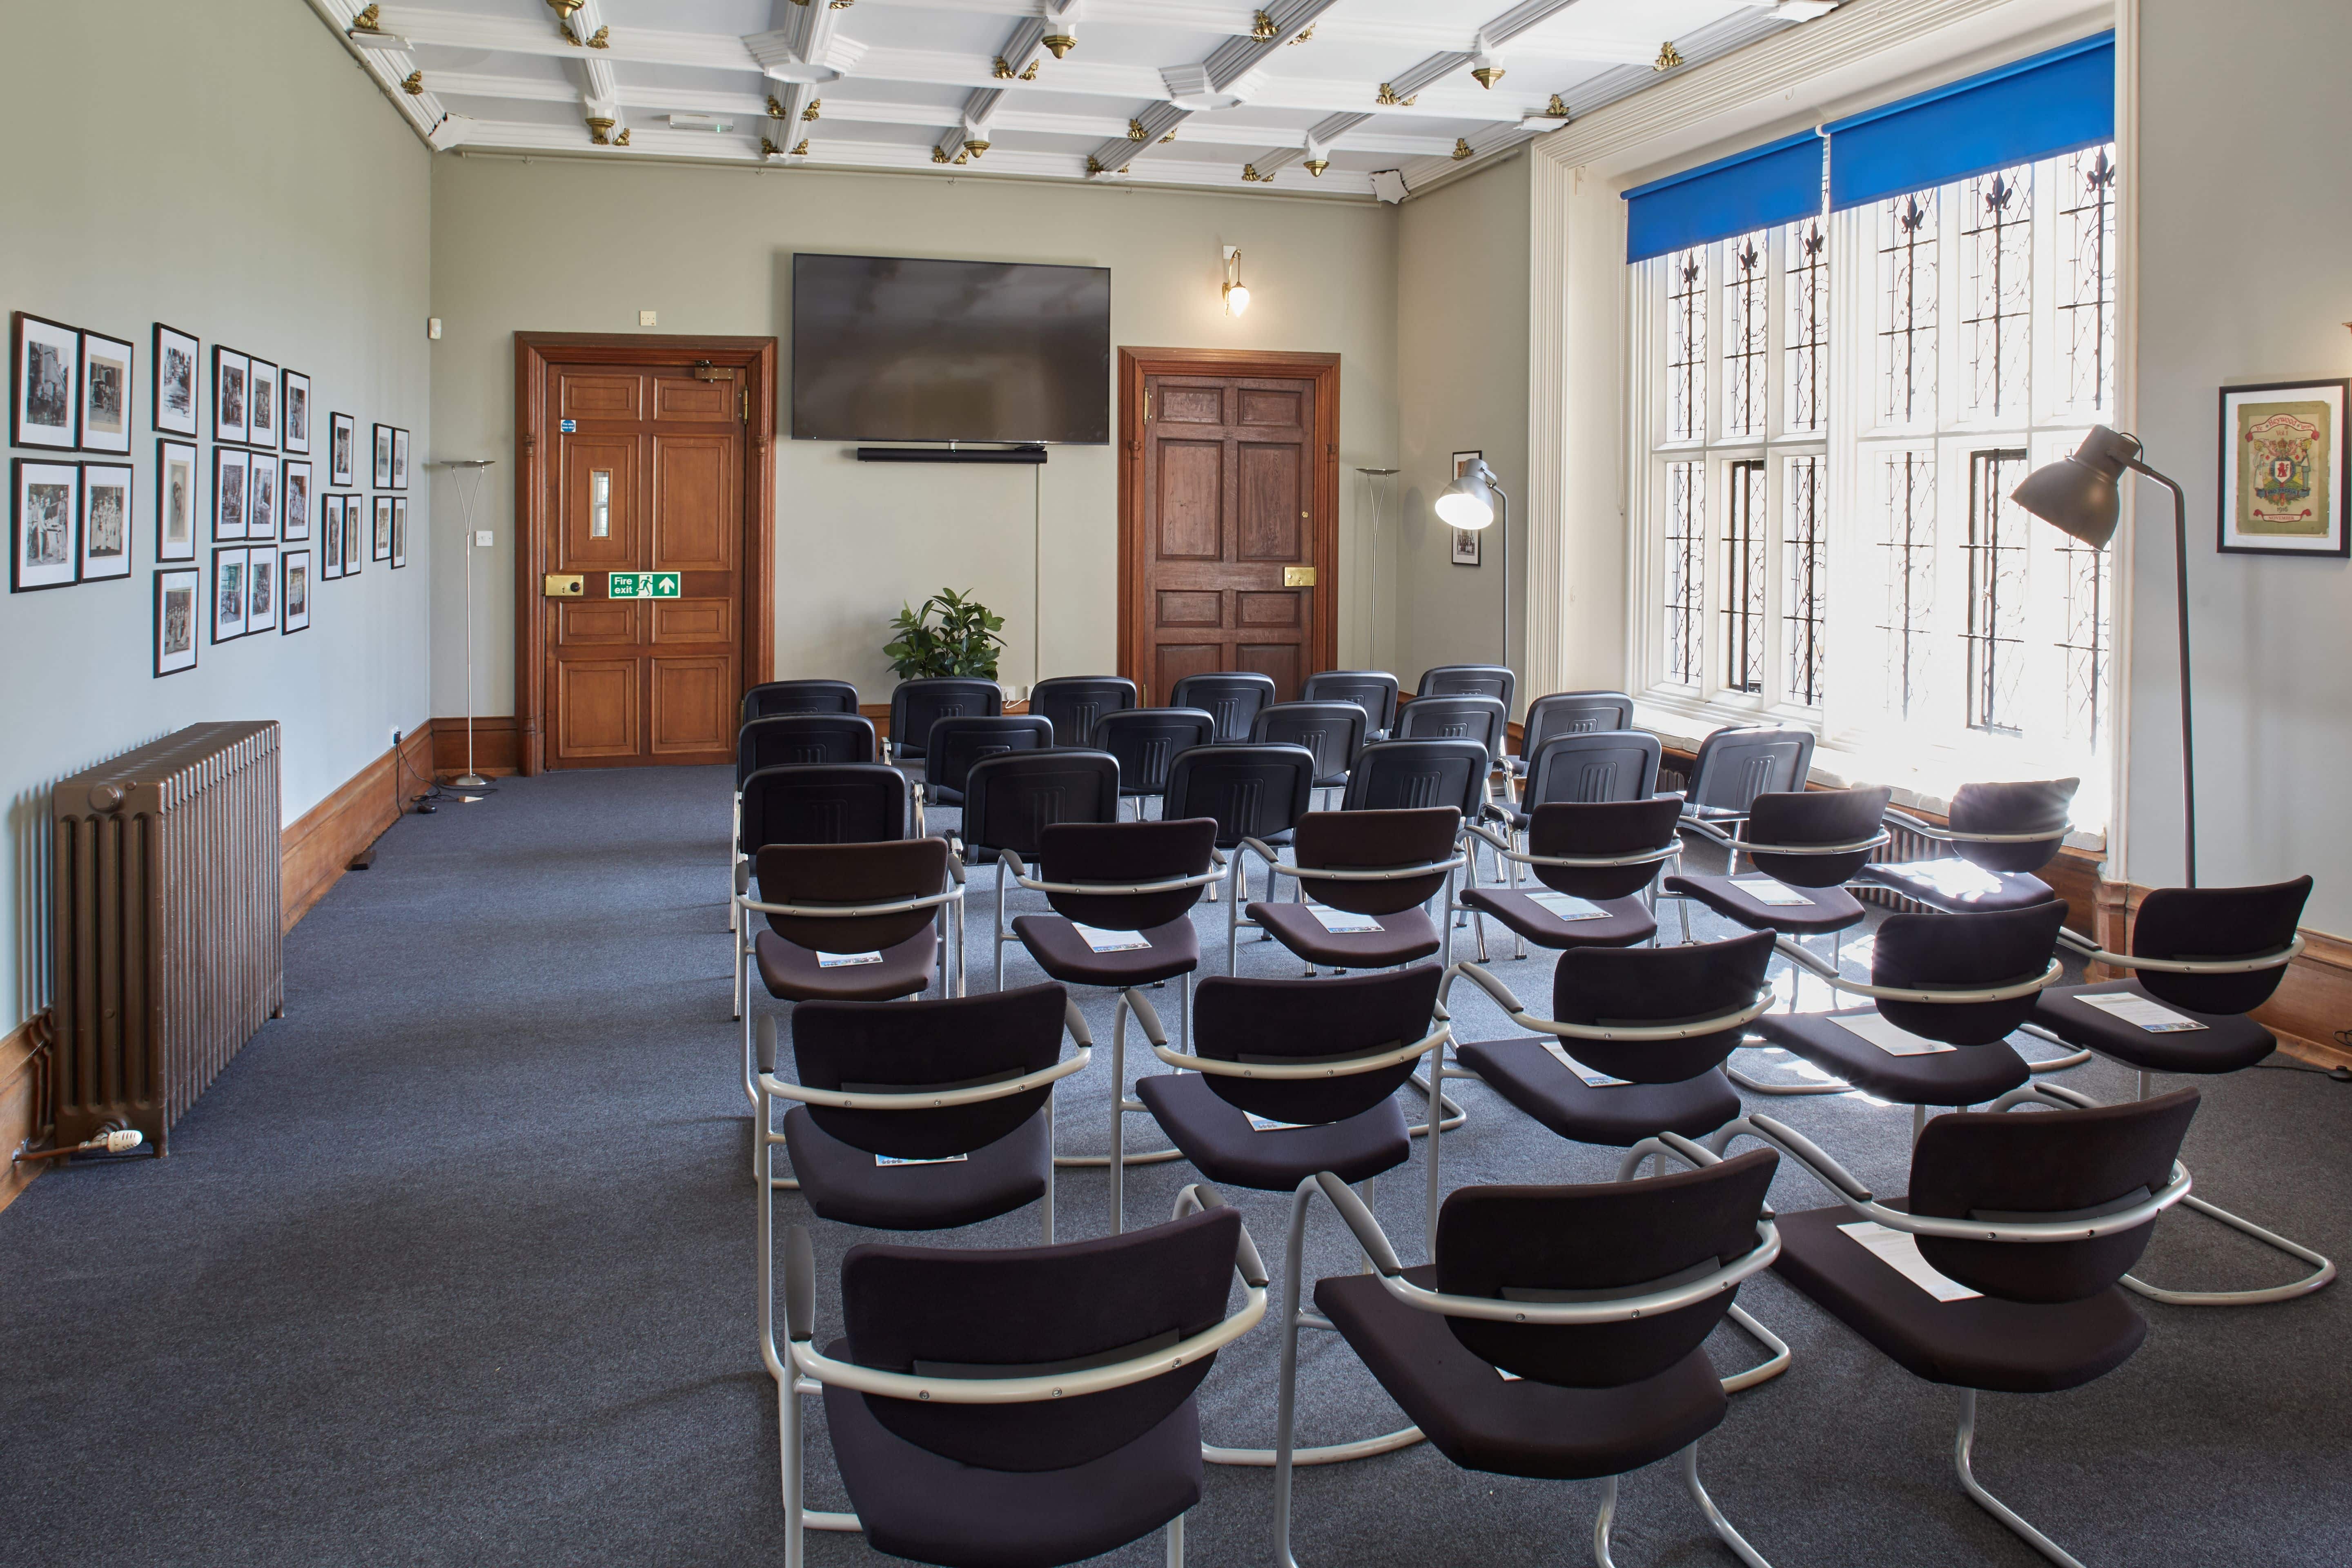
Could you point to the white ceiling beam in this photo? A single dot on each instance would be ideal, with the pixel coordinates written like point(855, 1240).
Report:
point(395, 70)
point(1229, 67)
point(600, 91)
point(1019, 61)
point(802, 52)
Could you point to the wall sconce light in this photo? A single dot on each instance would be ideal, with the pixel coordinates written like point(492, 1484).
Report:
point(1236, 292)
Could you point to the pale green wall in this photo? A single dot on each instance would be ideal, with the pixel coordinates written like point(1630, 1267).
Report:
point(554, 245)
point(240, 178)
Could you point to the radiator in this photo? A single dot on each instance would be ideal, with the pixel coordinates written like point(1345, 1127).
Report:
point(166, 925)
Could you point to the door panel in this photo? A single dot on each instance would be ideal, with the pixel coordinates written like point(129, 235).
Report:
point(696, 525)
point(1191, 609)
point(693, 703)
point(1258, 610)
point(682, 397)
point(597, 522)
point(1281, 661)
point(1184, 405)
point(1177, 660)
point(1270, 406)
point(586, 623)
point(1191, 500)
point(592, 394)
point(596, 708)
point(1273, 521)
point(693, 620)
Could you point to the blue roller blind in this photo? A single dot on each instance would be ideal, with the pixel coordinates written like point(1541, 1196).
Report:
point(1778, 183)
point(2036, 108)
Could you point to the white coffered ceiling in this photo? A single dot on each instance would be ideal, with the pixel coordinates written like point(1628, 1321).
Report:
point(1300, 95)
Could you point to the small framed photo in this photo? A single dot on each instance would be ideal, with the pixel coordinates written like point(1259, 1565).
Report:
point(383, 537)
point(228, 594)
point(381, 473)
point(261, 498)
point(330, 537)
point(355, 535)
point(342, 449)
point(177, 590)
point(105, 394)
point(399, 458)
point(262, 423)
point(1467, 542)
point(2282, 483)
point(179, 500)
point(294, 410)
point(399, 532)
point(174, 393)
point(230, 468)
point(46, 397)
point(49, 525)
point(106, 520)
point(232, 373)
point(293, 591)
point(294, 500)
point(260, 590)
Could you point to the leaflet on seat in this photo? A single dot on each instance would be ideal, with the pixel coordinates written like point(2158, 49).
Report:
point(942, 1160)
point(1268, 1124)
point(1568, 907)
point(1340, 922)
point(1771, 891)
point(1895, 1042)
point(1102, 940)
point(1593, 1077)
point(845, 960)
point(2140, 1012)
point(1899, 1250)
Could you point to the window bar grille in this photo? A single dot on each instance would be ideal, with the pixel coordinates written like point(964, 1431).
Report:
point(1804, 601)
point(1686, 345)
point(1996, 552)
point(1743, 593)
point(1746, 336)
point(1809, 309)
point(1907, 341)
point(2000, 248)
point(2090, 314)
point(1910, 545)
point(1686, 568)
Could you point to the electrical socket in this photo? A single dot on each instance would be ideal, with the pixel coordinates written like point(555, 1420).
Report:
point(395, 739)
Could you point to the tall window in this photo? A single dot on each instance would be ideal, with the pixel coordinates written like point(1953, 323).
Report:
point(1997, 588)
point(1807, 354)
point(1804, 598)
point(1686, 353)
point(1686, 569)
point(1745, 332)
point(1743, 577)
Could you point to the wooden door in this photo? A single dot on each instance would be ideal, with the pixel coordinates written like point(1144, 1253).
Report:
point(646, 476)
point(1227, 503)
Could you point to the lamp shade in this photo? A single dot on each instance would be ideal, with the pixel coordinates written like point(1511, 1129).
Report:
point(2078, 494)
point(1469, 502)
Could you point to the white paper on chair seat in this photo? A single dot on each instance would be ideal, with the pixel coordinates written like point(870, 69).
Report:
point(1268, 1124)
point(1771, 891)
point(2140, 1012)
point(1103, 941)
point(1568, 907)
point(1899, 1250)
point(844, 960)
point(942, 1160)
point(1340, 922)
point(1895, 1042)
point(1593, 1077)
point(1953, 879)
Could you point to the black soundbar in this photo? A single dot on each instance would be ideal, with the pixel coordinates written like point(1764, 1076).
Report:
point(1022, 454)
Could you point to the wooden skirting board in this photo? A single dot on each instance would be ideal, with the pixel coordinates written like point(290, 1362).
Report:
point(24, 1096)
point(496, 740)
point(319, 846)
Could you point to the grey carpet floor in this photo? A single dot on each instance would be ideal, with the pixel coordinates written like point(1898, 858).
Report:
point(454, 1264)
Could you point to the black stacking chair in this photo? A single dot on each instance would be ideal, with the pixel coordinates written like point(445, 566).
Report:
point(1288, 1079)
point(2207, 956)
point(955, 744)
point(1586, 766)
point(1373, 690)
point(1595, 860)
point(773, 697)
point(1571, 713)
point(1076, 703)
point(1253, 792)
point(2000, 833)
point(1804, 843)
point(1735, 766)
point(1334, 731)
point(1950, 990)
point(1376, 866)
point(1411, 776)
point(1145, 741)
point(1557, 1335)
point(1457, 715)
point(1011, 800)
point(839, 802)
point(1231, 696)
point(2025, 1223)
point(793, 740)
point(915, 705)
point(1495, 680)
point(1026, 1405)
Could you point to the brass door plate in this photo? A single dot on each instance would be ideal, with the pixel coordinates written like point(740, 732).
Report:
point(565, 585)
point(1299, 576)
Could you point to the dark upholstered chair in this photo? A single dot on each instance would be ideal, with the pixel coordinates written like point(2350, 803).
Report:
point(1804, 843)
point(1231, 696)
point(1408, 776)
point(1735, 766)
point(813, 802)
point(954, 744)
point(773, 697)
point(1493, 680)
point(2000, 835)
point(1457, 715)
point(2207, 956)
point(1333, 730)
point(1291, 1079)
point(1571, 713)
point(1949, 991)
point(1557, 1335)
point(1585, 767)
point(793, 740)
point(1379, 866)
point(916, 705)
point(1593, 862)
point(1373, 690)
point(1074, 704)
point(1030, 1405)
point(1253, 792)
point(1010, 800)
point(2024, 1223)
point(1147, 742)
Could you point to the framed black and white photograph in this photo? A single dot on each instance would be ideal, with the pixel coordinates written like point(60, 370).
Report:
point(1465, 540)
point(177, 591)
point(382, 540)
point(49, 525)
point(294, 498)
point(260, 591)
point(2282, 469)
point(106, 519)
point(261, 498)
point(173, 411)
point(342, 449)
point(355, 535)
point(294, 412)
point(261, 424)
point(178, 501)
point(294, 591)
point(399, 532)
point(228, 594)
point(45, 398)
point(383, 469)
point(105, 394)
point(229, 471)
point(231, 374)
point(330, 538)
point(399, 458)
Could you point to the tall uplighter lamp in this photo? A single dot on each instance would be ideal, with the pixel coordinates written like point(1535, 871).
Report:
point(1470, 502)
point(461, 470)
point(2081, 496)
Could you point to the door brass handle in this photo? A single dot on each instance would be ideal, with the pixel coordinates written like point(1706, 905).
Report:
point(1299, 576)
point(565, 586)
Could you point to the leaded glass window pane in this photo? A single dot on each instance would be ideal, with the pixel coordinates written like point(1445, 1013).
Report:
point(1906, 328)
point(1907, 541)
point(1686, 568)
point(1997, 589)
point(1804, 595)
point(1997, 238)
point(1686, 345)
point(1743, 580)
point(1746, 321)
point(1805, 394)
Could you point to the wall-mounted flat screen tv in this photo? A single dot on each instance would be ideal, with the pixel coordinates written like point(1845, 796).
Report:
point(890, 349)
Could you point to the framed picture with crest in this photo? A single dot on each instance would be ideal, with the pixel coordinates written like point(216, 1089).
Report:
point(2282, 482)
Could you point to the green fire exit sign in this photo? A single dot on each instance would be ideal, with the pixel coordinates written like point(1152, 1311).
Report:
point(641, 586)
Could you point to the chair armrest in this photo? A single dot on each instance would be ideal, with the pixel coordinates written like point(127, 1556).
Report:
point(1806, 1152)
point(800, 1286)
point(1368, 1231)
point(1477, 976)
point(1201, 1196)
point(2278, 958)
point(1146, 1014)
point(1075, 1022)
point(924, 1099)
point(1931, 994)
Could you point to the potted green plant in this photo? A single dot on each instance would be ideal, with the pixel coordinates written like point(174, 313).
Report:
point(952, 634)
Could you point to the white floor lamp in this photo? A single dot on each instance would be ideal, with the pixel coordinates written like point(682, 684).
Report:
point(468, 495)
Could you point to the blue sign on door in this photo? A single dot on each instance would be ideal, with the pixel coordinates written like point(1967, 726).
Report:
point(571, 427)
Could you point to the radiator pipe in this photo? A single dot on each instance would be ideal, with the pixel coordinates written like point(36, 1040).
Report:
point(112, 1140)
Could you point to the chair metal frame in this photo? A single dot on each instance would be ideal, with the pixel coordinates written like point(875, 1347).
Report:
point(1384, 1262)
point(1847, 1189)
point(800, 1371)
